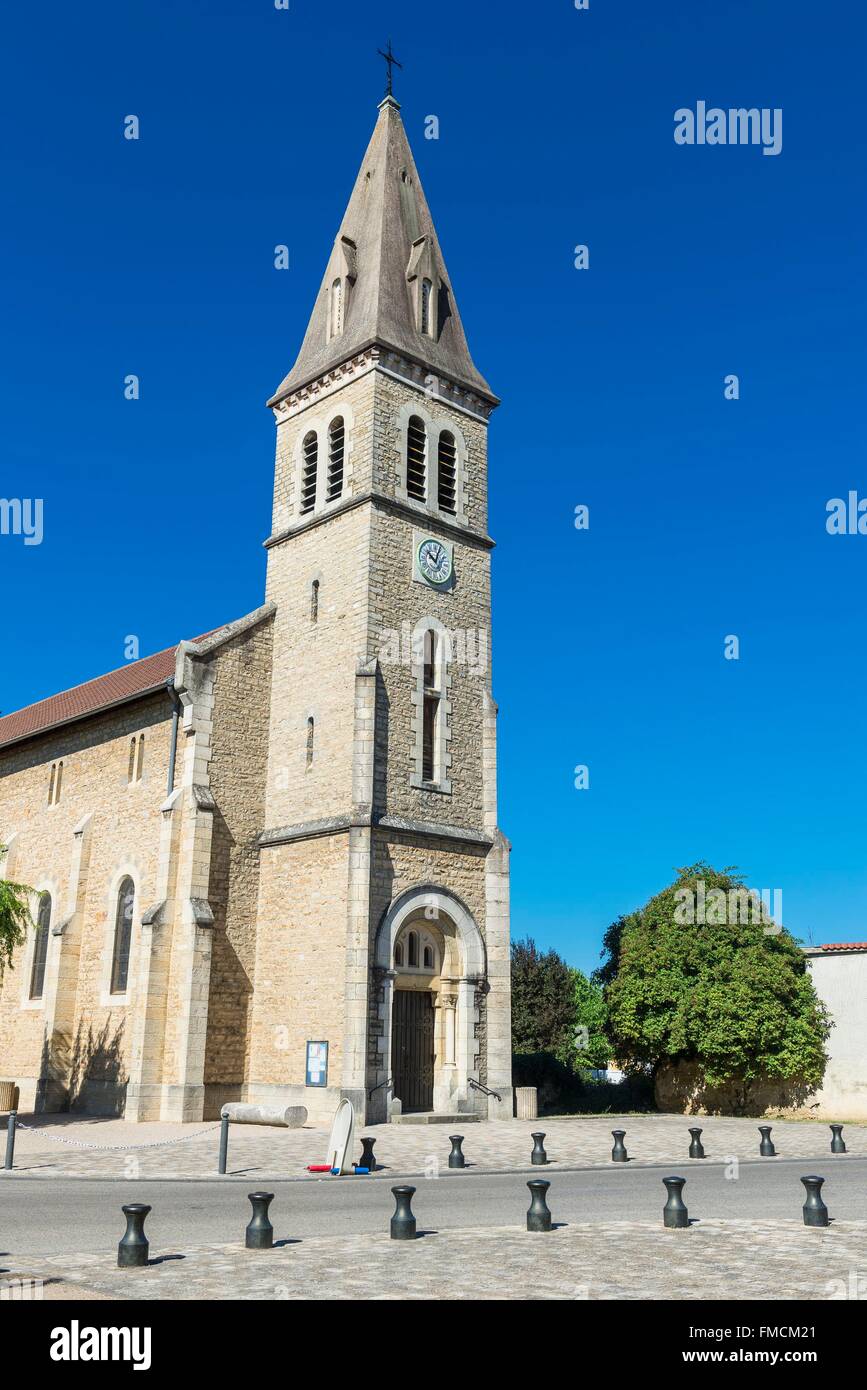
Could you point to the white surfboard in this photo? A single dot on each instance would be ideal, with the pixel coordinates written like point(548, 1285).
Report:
point(340, 1139)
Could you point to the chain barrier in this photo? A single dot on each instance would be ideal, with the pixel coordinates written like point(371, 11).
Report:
point(116, 1148)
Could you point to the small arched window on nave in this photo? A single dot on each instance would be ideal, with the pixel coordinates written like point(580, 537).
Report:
point(122, 936)
point(40, 946)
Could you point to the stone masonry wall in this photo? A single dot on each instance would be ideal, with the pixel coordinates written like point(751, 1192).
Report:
point(122, 837)
point(238, 769)
point(300, 959)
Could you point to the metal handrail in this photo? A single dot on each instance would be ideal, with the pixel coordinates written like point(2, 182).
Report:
point(379, 1087)
point(479, 1087)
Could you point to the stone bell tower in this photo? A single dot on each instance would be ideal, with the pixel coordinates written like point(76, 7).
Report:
point(383, 917)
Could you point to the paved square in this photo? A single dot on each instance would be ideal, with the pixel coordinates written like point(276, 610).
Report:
point(729, 1260)
point(75, 1147)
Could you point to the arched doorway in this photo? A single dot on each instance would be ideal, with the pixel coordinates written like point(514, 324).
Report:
point(431, 964)
point(417, 957)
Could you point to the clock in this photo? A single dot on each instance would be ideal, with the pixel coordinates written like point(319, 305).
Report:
point(434, 561)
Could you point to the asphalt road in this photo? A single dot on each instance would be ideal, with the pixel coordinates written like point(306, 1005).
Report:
point(68, 1215)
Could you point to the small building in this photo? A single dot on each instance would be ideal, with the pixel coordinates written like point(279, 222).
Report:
point(839, 973)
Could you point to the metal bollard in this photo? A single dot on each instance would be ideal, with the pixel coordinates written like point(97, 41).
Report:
point(766, 1148)
point(674, 1214)
point(814, 1209)
point(132, 1250)
point(403, 1221)
point(259, 1234)
point(10, 1139)
point(838, 1145)
point(456, 1157)
point(224, 1144)
point(618, 1153)
point(538, 1216)
point(538, 1157)
point(367, 1159)
point(696, 1147)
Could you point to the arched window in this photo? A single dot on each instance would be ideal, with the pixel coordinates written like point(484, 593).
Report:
point(431, 658)
point(136, 758)
point(40, 946)
point(122, 936)
point(431, 697)
point(336, 441)
point(336, 308)
point(416, 951)
point(426, 292)
point(54, 783)
point(314, 601)
point(310, 734)
point(309, 464)
point(416, 459)
point(447, 483)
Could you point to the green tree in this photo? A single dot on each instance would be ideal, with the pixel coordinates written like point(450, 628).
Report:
point(592, 1047)
point(732, 995)
point(543, 1002)
point(15, 917)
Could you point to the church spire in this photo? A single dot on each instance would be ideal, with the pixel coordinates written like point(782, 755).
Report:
point(386, 281)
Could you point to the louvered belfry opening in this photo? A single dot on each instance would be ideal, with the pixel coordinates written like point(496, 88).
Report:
point(310, 449)
point(448, 473)
point(416, 460)
point(336, 447)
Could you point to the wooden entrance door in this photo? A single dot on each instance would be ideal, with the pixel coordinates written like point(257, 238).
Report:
point(412, 1048)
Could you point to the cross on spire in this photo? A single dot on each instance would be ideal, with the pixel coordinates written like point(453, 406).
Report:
point(391, 61)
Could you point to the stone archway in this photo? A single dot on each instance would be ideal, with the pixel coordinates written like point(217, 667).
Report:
point(437, 916)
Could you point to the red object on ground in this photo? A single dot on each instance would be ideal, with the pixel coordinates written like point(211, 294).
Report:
point(319, 1167)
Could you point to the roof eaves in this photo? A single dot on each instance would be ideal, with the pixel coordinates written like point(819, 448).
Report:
point(163, 684)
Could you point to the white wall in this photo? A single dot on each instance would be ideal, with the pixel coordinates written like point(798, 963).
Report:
point(840, 978)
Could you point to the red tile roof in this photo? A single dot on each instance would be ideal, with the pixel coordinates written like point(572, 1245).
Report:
point(127, 683)
point(845, 946)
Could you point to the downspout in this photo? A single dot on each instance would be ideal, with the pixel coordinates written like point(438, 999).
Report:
point(173, 750)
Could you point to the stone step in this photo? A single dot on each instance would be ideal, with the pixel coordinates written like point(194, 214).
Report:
point(430, 1117)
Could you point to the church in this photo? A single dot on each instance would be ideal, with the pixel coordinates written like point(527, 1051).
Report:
point(265, 862)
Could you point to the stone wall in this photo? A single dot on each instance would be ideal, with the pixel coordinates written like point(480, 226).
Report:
point(237, 775)
point(77, 1035)
point(300, 969)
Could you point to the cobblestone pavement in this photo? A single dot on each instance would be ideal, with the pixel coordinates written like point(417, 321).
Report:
point(624, 1260)
point(573, 1141)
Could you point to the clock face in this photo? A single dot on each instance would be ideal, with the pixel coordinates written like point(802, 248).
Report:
point(434, 562)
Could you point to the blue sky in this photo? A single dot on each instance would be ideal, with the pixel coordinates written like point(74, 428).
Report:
point(707, 516)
